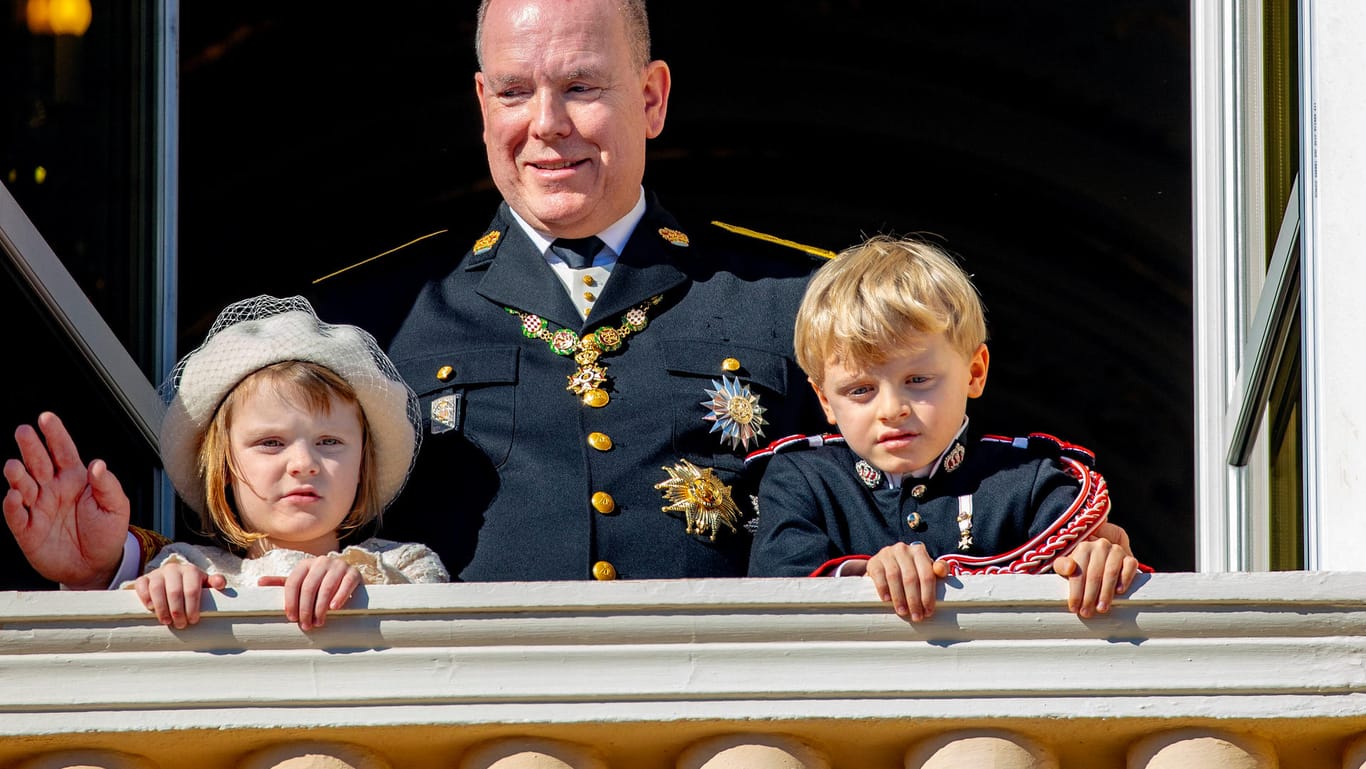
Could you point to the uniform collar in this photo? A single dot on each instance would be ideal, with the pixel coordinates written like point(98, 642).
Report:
point(949, 459)
point(519, 277)
point(614, 237)
point(957, 447)
point(517, 274)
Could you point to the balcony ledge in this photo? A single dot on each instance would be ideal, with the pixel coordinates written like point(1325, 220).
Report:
point(1282, 654)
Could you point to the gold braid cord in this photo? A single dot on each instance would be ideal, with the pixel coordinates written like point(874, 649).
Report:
point(149, 544)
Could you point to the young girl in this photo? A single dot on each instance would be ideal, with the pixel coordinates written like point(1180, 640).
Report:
point(285, 434)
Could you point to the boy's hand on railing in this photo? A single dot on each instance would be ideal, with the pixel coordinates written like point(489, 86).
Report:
point(905, 576)
point(1097, 570)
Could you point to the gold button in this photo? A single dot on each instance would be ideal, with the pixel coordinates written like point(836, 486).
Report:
point(588, 280)
point(596, 398)
point(445, 373)
point(603, 502)
point(589, 295)
point(600, 441)
point(918, 490)
point(730, 364)
point(585, 311)
point(602, 570)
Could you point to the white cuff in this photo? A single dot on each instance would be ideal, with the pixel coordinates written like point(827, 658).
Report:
point(128, 567)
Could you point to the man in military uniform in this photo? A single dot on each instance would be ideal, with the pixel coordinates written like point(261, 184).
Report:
point(558, 386)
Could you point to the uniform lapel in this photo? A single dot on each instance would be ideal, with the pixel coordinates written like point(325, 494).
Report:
point(647, 267)
point(519, 277)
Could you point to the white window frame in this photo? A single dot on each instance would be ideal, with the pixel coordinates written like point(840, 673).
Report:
point(1238, 303)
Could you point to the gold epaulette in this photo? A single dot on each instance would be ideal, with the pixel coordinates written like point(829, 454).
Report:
point(745, 231)
point(149, 543)
point(377, 256)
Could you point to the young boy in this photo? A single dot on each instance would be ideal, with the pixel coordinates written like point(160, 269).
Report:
point(892, 337)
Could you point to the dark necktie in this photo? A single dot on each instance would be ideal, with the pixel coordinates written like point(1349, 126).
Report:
point(578, 253)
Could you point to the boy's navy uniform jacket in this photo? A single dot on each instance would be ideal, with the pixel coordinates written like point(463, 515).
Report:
point(1002, 505)
point(517, 478)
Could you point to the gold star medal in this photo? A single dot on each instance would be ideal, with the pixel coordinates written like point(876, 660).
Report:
point(736, 412)
point(700, 496)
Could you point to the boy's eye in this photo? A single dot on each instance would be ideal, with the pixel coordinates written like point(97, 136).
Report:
point(858, 390)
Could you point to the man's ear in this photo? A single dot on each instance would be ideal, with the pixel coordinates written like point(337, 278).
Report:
point(657, 83)
point(825, 402)
point(977, 371)
point(483, 108)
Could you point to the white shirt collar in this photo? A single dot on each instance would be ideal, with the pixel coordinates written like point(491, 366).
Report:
point(614, 237)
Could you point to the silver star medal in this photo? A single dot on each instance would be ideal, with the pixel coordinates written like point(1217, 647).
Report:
point(736, 412)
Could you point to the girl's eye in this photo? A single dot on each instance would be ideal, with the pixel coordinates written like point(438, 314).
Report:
point(330, 442)
point(918, 379)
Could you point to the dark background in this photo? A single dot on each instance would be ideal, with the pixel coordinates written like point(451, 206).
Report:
point(1046, 143)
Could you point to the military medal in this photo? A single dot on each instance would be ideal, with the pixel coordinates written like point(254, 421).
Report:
point(736, 412)
point(588, 382)
point(965, 522)
point(700, 496)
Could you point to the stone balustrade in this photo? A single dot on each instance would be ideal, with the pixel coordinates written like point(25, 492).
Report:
point(1230, 670)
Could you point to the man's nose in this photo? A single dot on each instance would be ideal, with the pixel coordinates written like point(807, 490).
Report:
point(550, 117)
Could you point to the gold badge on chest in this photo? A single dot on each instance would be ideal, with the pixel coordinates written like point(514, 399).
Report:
point(701, 497)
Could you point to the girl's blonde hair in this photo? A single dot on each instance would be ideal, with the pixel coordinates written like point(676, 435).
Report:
point(868, 301)
point(309, 385)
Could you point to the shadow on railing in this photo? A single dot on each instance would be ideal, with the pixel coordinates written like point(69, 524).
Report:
point(1229, 670)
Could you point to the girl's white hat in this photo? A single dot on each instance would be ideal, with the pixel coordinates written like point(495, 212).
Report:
point(255, 333)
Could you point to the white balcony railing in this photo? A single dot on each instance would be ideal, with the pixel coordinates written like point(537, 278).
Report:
point(651, 675)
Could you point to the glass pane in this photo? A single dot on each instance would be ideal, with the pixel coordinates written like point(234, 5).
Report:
point(1287, 462)
point(1281, 82)
point(1282, 98)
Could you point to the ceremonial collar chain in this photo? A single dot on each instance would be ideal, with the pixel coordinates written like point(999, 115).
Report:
point(588, 380)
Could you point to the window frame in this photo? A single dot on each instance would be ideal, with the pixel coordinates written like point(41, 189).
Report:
point(1236, 337)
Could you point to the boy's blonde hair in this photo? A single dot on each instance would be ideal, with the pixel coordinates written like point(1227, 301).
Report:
point(309, 386)
point(865, 304)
